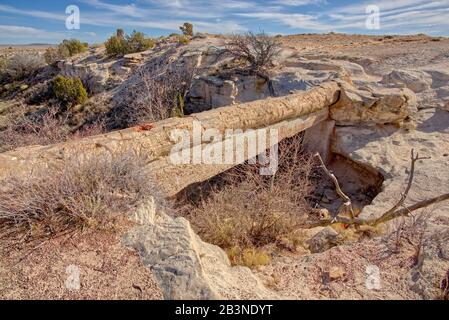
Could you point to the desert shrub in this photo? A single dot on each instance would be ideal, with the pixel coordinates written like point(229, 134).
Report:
point(247, 211)
point(49, 127)
point(444, 286)
point(163, 93)
point(255, 50)
point(120, 33)
point(74, 46)
point(187, 29)
point(20, 66)
point(69, 91)
point(116, 46)
point(53, 55)
point(159, 93)
point(84, 191)
point(183, 39)
point(137, 42)
point(249, 257)
point(3, 64)
point(119, 44)
point(66, 49)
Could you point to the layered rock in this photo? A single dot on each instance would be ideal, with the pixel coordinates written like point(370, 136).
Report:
point(184, 266)
point(373, 105)
point(417, 81)
point(387, 150)
point(93, 75)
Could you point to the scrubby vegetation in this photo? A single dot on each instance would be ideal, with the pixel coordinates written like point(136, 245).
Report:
point(121, 44)
point(85, 191)
point(25, 128)
point(66, 49)
point(20, 66)
point(183, 39)
point(187, 29)
point(69, 91)
point(256, 51)
point(160, 94)
point(247, 211)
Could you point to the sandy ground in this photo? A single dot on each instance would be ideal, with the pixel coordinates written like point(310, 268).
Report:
point(48, 270)
point(8, 50)
point(377, 54)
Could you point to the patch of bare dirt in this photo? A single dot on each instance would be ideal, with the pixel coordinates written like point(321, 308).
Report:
point(374, 269)
point(107, 270)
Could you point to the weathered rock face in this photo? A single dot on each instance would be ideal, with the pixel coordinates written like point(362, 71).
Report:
point(417, 81)
point(446, 107)
point(324, 240)
point(387, 150)
point(370, 106)
point(207, 92)
point(93, 76)
point(185, 267)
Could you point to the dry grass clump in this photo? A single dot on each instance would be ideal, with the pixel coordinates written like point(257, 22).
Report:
point(48, 128)
point(159, 93)
point(249, 211)
point(20, 66)
point(87, 190)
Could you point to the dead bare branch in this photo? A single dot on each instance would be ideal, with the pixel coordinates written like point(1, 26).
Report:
point(346, 199)
point(389, 215)
point(409, 184)
point(257, 50)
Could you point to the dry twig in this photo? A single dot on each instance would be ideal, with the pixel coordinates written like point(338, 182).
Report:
point(389, 215)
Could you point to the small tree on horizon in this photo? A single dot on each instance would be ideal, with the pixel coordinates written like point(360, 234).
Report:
point(187, 29)
point(120, 33)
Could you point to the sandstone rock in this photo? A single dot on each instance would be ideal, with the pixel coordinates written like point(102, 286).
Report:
point(186, 267)
point(93, 75)
point(386, 149)
point(323, 240)
point(199, 35)
point(287, 82)
point(373, 106)
point(207, 92)
point(121, 70)
point(417, 81)
point(336, 273)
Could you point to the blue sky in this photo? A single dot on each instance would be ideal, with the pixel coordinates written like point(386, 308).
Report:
point(43, 21)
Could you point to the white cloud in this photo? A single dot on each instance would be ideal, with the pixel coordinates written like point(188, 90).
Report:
point(297, 3)
point(22, 32)
point(228, 16)
point(33, 13)
point(292, 20)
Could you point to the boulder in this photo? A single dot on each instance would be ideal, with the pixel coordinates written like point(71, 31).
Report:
point(184, 266)
point(372, 106)
point(323, 240)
